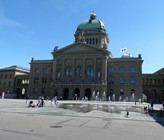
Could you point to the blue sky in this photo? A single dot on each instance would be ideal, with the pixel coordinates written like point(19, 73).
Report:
point(32, 28)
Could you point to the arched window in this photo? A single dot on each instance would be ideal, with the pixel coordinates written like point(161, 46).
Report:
point(68, 72)
point(98, 73)
point(79, 72)
point(89, 71)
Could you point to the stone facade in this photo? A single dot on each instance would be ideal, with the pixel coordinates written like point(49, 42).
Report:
point(86, 69)
point(153, 86)
point(14, 81)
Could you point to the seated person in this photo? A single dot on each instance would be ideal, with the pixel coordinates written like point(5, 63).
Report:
point(30, 104)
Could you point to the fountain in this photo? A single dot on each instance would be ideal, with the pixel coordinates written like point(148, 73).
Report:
point(112, 107)
point(93, 95)
point(98, 96)
point(109, 99)
point(104, 96)
point(132, 98)
point(126, 99)
point(120, 99)
point(113, 97)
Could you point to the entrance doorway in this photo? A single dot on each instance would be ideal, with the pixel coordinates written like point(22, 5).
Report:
point(88, 93)
point(65, 94)
point(76, 93)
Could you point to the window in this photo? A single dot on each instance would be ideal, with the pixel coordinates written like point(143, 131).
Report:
point(10, 75)
point(121, 69)
point(90, 41)
point(45, 70)
point(36, 80)
point(122, 81)
point(68, 72)
point(111, 69)
point(9, 84)
point(99, 74)
point(96, 41)
point(132, 81)
point(132, 69)
point(93, 41)
point(59, 73)
point(44, 80)
point(79, 72)
point(36, 70)
point(111, 80)
point(87, 41)
point(89, 71)
point(35, 90)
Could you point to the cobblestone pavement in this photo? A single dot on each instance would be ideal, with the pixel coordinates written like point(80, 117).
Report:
point(18, 122)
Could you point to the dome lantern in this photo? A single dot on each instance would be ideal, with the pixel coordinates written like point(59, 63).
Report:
point(92, 16)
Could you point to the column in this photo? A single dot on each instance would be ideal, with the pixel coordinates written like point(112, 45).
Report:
point(73, 68)
point(94, 68)
point(63, 68)
point(84, 61)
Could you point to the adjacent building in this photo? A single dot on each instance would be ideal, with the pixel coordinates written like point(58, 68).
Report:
point(14, 81)
point(153, 86)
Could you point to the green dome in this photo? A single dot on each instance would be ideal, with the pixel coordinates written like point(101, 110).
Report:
point(92, 23)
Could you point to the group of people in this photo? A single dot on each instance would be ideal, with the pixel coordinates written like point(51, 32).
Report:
point(54, 101)
point(40, 103)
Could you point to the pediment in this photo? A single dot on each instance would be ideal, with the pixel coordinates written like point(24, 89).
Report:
point(79, 48)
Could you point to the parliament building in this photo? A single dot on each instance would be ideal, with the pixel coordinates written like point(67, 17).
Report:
point(86, 69)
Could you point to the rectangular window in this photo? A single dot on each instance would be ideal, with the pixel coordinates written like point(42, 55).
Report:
point(122, 81)
point(44, 80)
point(87, 41)
point(110, 69)
point(121, 69)
point(36, 80)
point(35, 90)
point(132, 81)
point(111, 80)
point(96, 41)
point(45, 70)
point(10, 76)
point(132, 69)
point(9, 84)
point(36, 70)
point(93, 41)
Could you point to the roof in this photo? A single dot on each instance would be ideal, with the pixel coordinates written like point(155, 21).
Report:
point(92, 23)
point(16, 68)
point(160, 71)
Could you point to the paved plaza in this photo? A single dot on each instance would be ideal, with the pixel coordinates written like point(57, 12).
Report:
point(19, 122)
